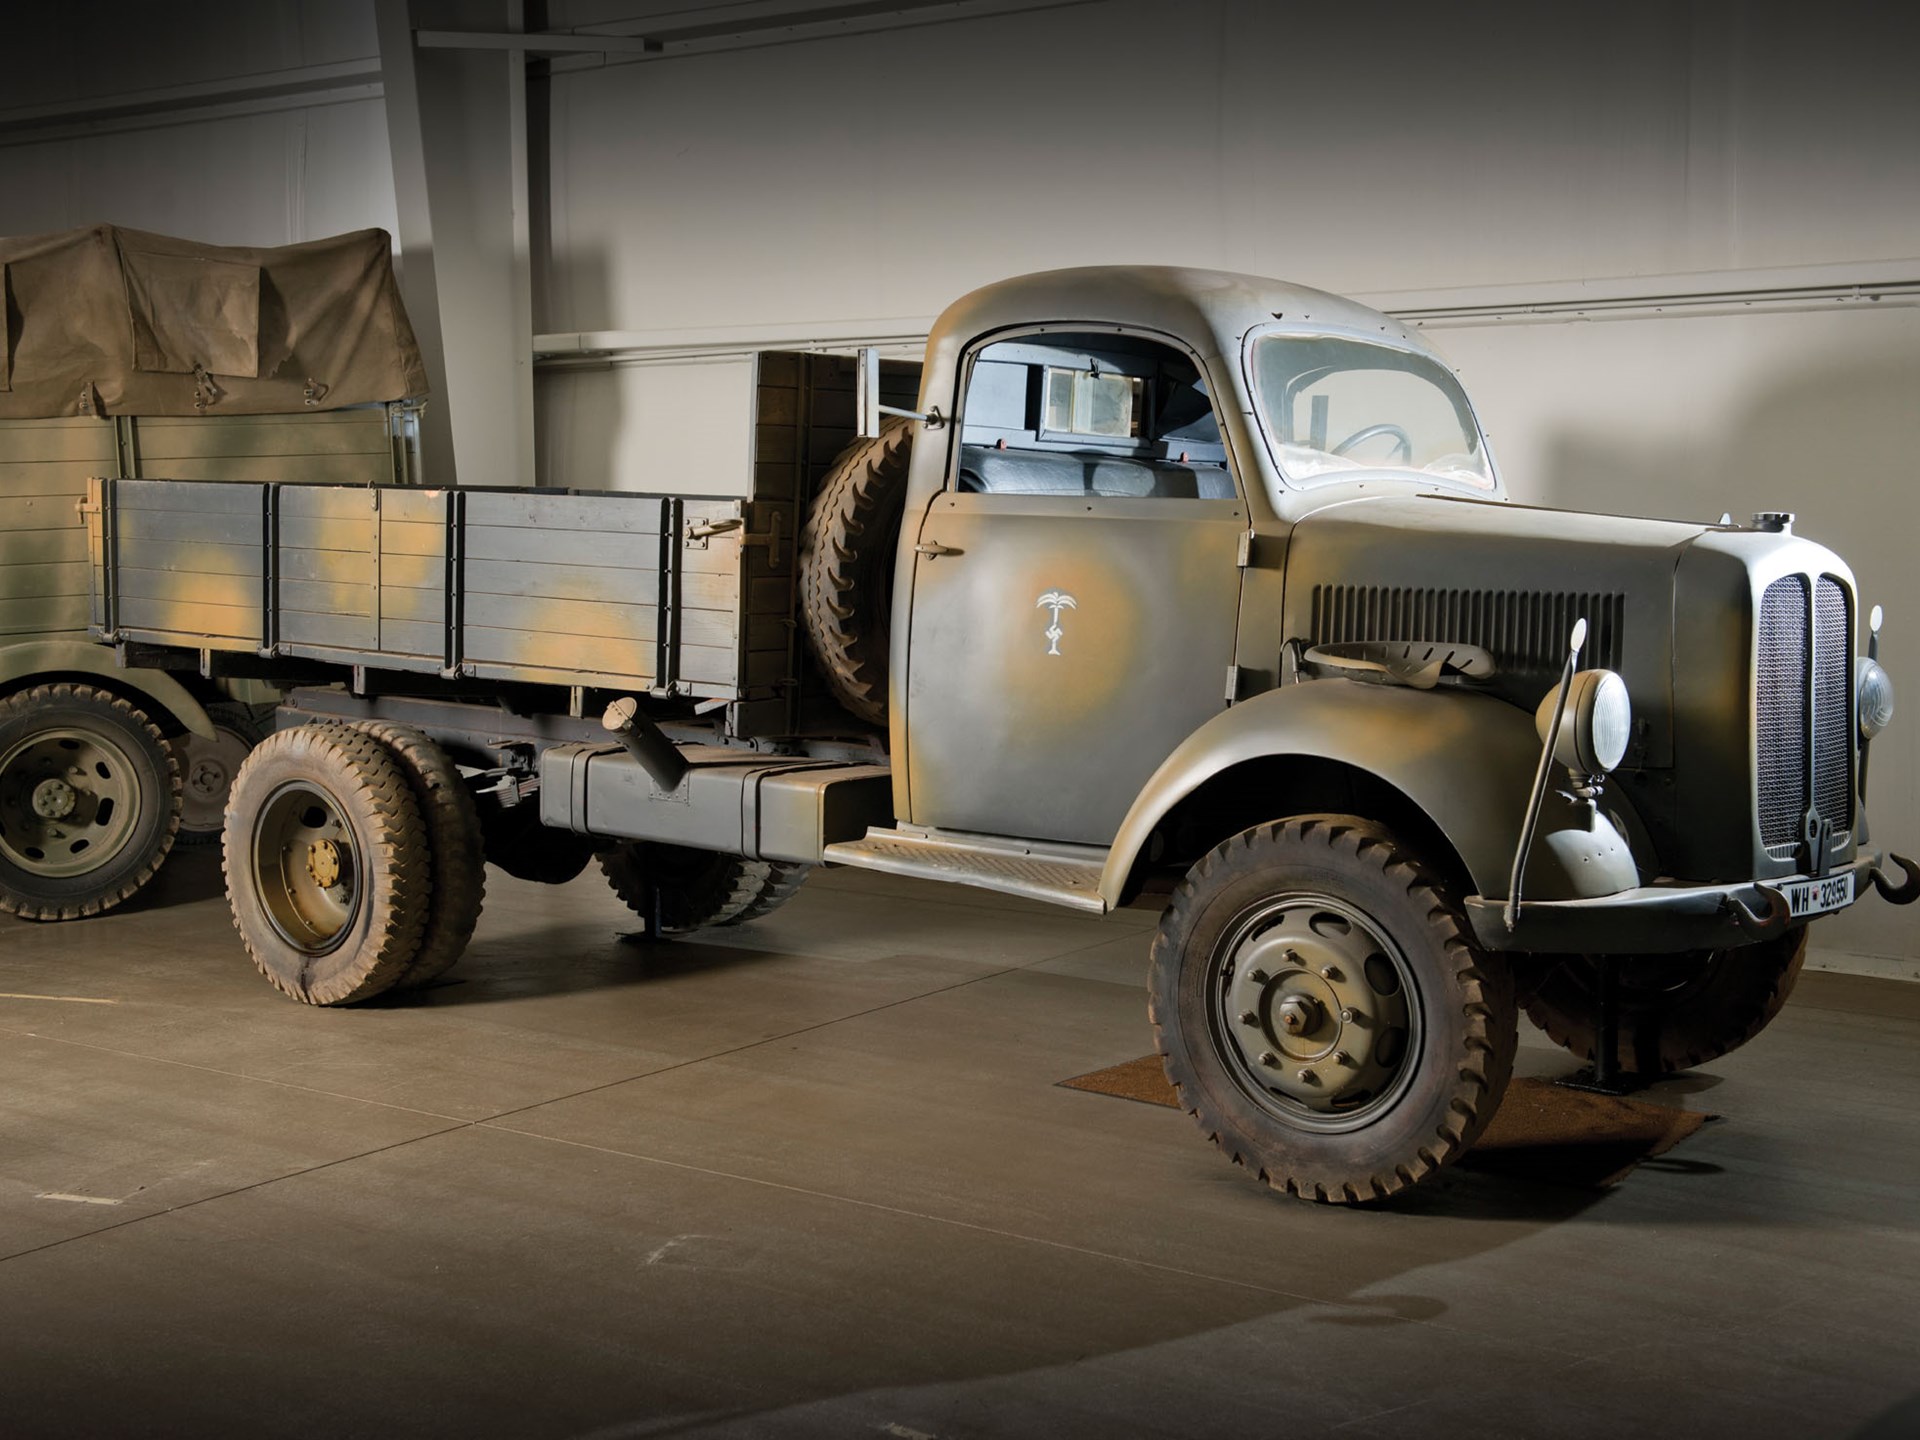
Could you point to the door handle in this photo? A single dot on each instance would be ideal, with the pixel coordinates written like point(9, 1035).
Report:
point(933, 547)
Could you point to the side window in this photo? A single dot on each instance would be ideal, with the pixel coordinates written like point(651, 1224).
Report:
point(1089, 414)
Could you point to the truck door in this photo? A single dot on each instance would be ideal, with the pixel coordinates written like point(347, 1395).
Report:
point(1076, 587)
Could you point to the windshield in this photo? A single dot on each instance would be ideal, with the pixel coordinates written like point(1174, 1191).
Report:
point(1333, 407)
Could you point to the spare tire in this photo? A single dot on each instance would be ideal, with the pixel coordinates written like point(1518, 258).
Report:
point(847, 549)
point(697, 888)
point(1676, 1011)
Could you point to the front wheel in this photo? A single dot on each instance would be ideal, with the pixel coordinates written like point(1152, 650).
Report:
point(1323, 1014)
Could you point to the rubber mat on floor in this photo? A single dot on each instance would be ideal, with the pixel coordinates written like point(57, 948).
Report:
point(1542, 1131)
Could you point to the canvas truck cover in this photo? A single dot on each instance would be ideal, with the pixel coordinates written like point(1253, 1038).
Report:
point(106, 321)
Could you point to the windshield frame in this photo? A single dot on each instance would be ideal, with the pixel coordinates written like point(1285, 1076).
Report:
point(1397, 475)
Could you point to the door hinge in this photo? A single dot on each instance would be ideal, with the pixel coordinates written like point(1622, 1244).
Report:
point(1245, 557)
point(1233, 683)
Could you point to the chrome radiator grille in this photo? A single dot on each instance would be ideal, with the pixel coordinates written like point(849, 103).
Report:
point(1803, 641)
point(1832, 703)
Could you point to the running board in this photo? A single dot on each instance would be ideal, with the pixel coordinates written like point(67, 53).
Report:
point(1060, 874)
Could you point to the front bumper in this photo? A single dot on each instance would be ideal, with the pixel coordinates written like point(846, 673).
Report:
point(1669, 919)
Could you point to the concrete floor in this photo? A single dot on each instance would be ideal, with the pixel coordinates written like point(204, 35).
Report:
point(815, 1178)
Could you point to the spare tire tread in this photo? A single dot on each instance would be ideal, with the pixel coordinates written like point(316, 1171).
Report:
point(847, 549)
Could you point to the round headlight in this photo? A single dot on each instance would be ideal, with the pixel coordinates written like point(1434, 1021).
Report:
point(1875, 688)
point(1597, 725)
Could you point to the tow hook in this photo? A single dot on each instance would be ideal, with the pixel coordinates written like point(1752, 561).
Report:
point(1903, 894)
point(1755, 923)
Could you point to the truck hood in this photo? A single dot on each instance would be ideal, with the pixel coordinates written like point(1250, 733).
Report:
point(1512, 579)
point(1427, 517)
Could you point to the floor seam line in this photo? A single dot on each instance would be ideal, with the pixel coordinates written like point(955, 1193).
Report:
point(899, 1210)
point(572, 1094)
point(230, 1074)
point(773, 1039)
point(236, 1190)
point(1156, 1266)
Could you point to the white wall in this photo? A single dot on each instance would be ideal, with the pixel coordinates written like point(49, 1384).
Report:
point(1362, 148)
point(267, 178)
point(685, 428)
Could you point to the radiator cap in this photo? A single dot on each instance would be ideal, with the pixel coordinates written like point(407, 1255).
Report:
point(1780, 522)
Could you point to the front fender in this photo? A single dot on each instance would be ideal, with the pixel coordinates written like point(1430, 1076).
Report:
point(1466, 760)
point(38, 658)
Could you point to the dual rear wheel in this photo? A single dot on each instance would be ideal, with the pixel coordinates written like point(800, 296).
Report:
point(353, 860)
point(355, 863)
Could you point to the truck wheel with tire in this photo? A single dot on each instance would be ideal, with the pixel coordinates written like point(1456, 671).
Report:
point(89, 801)
point(847, 550)
point(697, 888)
point(1676, 1011)
point(207, 768)
point(327, 864)
point(1323, 1014)
point(454, 846)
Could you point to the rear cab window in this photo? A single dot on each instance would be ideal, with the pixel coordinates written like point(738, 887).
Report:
point(1092, 413)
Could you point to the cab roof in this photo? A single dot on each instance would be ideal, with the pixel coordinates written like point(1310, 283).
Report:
point(1211, 309)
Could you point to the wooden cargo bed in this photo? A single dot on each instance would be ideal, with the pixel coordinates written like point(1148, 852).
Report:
point(655, 593)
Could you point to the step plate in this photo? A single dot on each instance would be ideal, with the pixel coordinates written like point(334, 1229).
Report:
point(1075, 883)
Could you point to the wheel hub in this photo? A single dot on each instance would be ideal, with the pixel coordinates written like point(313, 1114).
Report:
point(208, 779)
point(69, 801)
point(1298, 1014)
point(207, 768)
point(53, 799)
point(323, 863)
point(306, 868)
point(1320, 1010)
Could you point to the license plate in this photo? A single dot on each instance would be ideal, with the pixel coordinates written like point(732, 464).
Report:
point(1816, 897)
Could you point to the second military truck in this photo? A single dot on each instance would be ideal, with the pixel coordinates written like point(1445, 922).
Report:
point(1169, 583)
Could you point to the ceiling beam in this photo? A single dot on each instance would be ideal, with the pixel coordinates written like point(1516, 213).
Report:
point(535, 44)
point(254, 94)
point(630, 42)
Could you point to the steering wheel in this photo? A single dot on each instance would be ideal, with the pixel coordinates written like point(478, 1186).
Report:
point(1403, 443)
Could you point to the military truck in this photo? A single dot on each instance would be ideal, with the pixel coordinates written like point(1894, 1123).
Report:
point(1171, 587)
point(128, 354)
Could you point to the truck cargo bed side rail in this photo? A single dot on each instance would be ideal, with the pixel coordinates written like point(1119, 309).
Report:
point(614, 590)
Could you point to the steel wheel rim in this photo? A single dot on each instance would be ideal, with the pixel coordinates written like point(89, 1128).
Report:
point(1315, 1011)
point(307, 868)
point(207, 768)
point(69, 802)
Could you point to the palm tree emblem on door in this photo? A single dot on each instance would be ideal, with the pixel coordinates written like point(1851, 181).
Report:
point(1055, 601)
